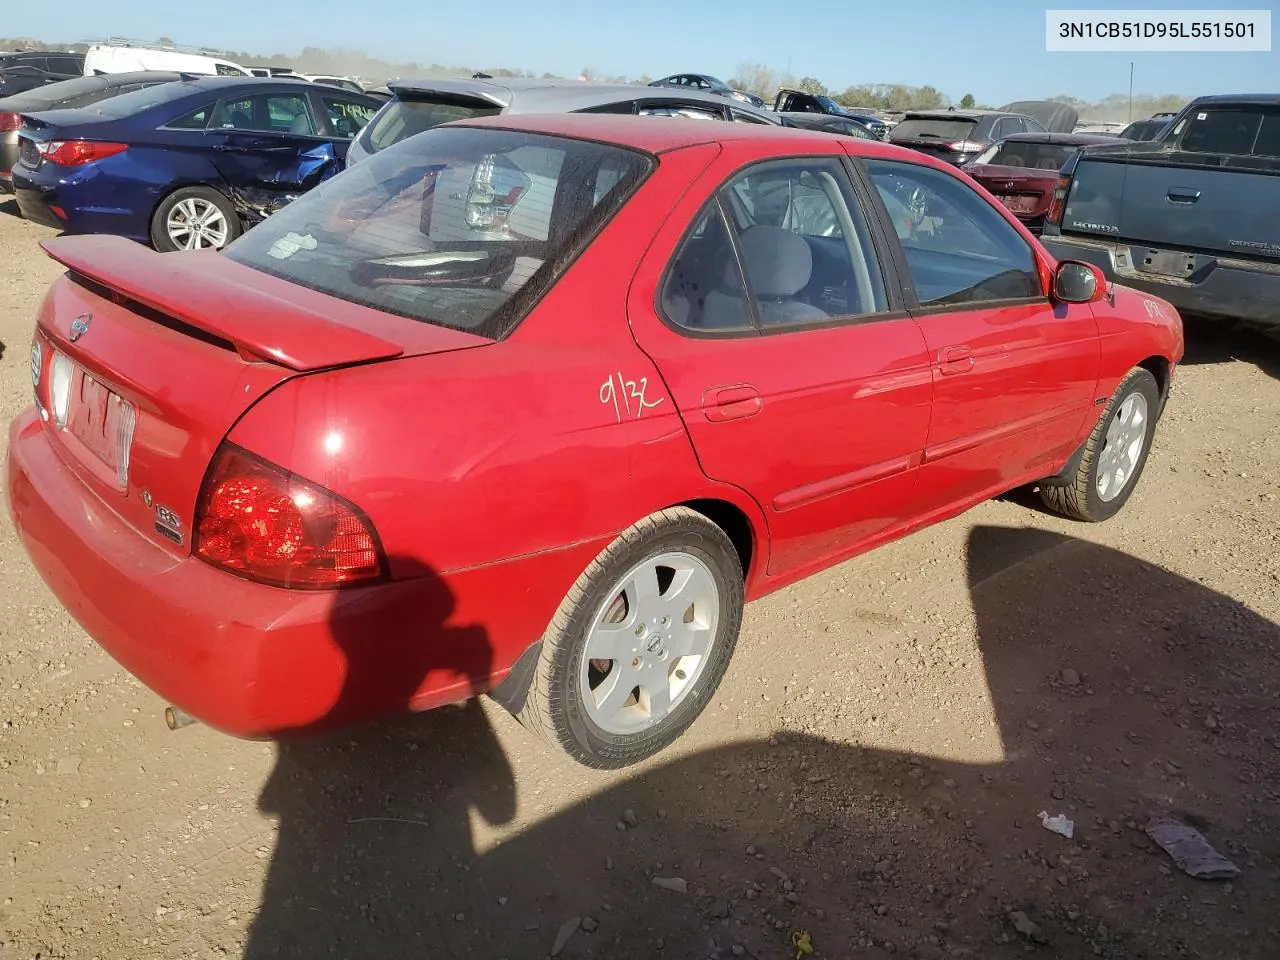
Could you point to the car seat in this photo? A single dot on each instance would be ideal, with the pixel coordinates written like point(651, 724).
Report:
point(301, 126)
point(779, 264)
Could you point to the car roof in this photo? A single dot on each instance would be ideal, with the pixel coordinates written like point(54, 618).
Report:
point(657, 135)
point(1236, 98)
point(1070, 139)
point(956, 114)
point(525, 95)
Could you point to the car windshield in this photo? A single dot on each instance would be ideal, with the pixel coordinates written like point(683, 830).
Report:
point(404, 118)
point(459, 227)
point(1026, 154)
point(929, 128)
point(127, 104)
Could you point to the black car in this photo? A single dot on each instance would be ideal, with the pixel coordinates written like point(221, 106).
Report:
point(64, 95)
point(29, 69)
point(797, 101)
point(707, 84)
point(829, 123)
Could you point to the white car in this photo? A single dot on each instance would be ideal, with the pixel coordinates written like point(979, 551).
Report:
point(126, 56)
point(346, 83)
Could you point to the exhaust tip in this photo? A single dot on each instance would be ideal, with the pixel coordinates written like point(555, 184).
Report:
point(176, 719)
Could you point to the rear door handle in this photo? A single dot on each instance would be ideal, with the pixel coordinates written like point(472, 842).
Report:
point(1182, 195)
point(953, 360)
point(731, 403)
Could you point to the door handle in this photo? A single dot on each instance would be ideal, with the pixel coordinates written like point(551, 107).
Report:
point(1182, 195)
point(731, 403)
point(953, 360)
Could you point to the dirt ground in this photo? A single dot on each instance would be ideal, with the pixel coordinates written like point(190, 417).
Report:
point(871, 771)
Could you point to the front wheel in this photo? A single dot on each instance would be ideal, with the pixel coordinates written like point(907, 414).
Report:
point(640, 643)
point(194, 218)
point(1114, 454)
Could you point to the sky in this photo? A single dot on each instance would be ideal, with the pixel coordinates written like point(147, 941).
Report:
point(997, 54)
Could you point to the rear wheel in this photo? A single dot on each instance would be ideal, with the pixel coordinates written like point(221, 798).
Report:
point(1114, 454)
point(194, 218)
point(641, 642)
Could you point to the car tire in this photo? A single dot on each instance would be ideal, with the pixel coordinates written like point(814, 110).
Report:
point(1114, 454)
point(577, 704)
point(217, 219)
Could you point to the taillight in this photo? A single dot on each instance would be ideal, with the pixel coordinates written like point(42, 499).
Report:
point(76, 153)
point(965, 146)
point(9, 122)
point(1059, 202)
point(263, 523)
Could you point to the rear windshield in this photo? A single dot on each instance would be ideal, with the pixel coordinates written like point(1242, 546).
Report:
point(930, 129)
point(1242, 132)
point(401, 119)
point(1031, 156)
point(1144, 129)
point(460, 227)
point(127, 104)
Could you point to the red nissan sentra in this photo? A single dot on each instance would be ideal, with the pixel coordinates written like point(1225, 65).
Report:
point(531, 405)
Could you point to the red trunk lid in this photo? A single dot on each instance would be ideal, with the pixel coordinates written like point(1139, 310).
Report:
point(169, 350)
point(1033, 187)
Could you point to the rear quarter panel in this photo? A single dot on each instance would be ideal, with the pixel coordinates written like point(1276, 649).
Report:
point(563, 434)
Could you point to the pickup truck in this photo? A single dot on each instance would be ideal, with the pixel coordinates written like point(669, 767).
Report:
point(1192, 216)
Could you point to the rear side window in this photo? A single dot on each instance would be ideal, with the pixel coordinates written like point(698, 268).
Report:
point(401, 119)
point(1242, 132)
point(195, 120)
point(461, 228)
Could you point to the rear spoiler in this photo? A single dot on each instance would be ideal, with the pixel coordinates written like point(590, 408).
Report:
point(219, 297)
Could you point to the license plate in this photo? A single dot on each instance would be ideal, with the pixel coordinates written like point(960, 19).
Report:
point(103, 421)
point(1019, 204)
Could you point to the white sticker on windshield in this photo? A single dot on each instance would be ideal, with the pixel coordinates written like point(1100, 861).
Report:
point(289, 244)
point(1202, 116)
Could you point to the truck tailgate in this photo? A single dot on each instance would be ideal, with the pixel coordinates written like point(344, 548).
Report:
point(1194, 203)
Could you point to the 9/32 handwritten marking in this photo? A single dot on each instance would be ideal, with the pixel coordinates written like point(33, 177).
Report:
point(632, 395)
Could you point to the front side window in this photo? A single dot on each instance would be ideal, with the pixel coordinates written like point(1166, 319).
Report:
point(457, 227)
point(795, 229)
point(959, 249)
point(227, 70)
point(347, 117)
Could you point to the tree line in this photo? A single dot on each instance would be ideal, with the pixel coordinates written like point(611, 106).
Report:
point(753, 77)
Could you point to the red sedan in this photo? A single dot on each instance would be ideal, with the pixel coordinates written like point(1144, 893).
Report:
point(1021, 171)
point(531, 405)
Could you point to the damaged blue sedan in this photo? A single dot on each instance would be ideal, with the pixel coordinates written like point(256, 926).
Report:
point(185, 165)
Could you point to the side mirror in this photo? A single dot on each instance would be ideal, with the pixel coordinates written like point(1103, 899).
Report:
point(1077, 282)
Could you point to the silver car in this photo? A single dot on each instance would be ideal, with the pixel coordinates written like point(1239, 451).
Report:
point(418, 105)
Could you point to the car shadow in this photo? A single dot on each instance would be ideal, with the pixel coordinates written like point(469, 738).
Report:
point(1213, 342)
point(10, 206)
point(1115, 690)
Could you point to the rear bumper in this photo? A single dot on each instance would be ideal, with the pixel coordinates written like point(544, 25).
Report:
point(80, 202)
point(1220, 288)
point(257, 661)
point(35, 205)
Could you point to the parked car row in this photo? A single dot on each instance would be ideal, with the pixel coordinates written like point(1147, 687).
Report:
point(181, 162)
